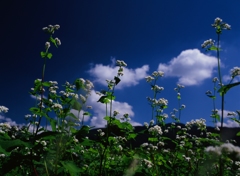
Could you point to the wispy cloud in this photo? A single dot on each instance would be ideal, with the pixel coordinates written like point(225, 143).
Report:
point(9, 121)
point(191, 66)
point(130, 78)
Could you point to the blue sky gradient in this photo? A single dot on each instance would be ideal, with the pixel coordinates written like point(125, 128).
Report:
point(148, 35)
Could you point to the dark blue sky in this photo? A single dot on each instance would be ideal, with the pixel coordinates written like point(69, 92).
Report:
point(145, 34)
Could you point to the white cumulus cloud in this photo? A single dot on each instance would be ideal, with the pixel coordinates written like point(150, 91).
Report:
point(131, 77)
point(99, 111)
point(191, 66)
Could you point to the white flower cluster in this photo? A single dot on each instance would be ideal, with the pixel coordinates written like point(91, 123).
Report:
point(160, 102)
point(157, 88)
point(56, 105)
point(5, 127)
point(156, 130)
point(179, 86)
point(83, 99)
point(121, 63)
point(100, 132)
point(53, 89)
point(47, 45)
point(215, 79)
point(218, 22)
point(148, 163)
point(235, 72)
point(206, 43)
point(74, 139)
point(158, 74)
point(226, 148)
point(51, 28)
point(186, 158)
point(149, 78)
point(231, 114)
point(115, 113)
point(200, 123)
point(4, 109)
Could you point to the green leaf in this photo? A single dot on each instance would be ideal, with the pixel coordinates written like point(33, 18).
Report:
point(53, 123)
point(179, 97)
point(83, 131)
point(236, 120)
point(9, 144)
point(43, 54)
point(76, 105)
point(86, 113)
point(211, 96)
point(72, 115)
point(71, 167)
point(224, 89)
point(49, 55)
point(46, 84)
point(53, 41)
point(217, 116)
point(213, 48)
point(104, 99)
point(48, 135)
point(153, 139)
point(117, 80)
point(132, 136)
point(79, 84)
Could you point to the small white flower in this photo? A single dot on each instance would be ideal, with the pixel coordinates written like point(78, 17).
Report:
point(149, 78)
point(120, 147)
point(83, 99)
point(58, 41)
point(206, 43)
point(56, 26)
point(235, 72)
point(115, 113)
point(146, 124)
point(56, 105)
point(215, 79)
point(144, 144)
point(47, 45)
point(121, 63)
point(183, 106)
point(151, 122)
point(158, 74)
point(4, 109)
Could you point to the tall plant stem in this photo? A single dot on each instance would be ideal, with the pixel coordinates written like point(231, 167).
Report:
point(39, 121)
point(220, 79)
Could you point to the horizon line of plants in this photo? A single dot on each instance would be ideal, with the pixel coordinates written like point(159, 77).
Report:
point(66, 149)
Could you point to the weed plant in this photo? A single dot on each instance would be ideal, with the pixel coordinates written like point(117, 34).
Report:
point(66, 150)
